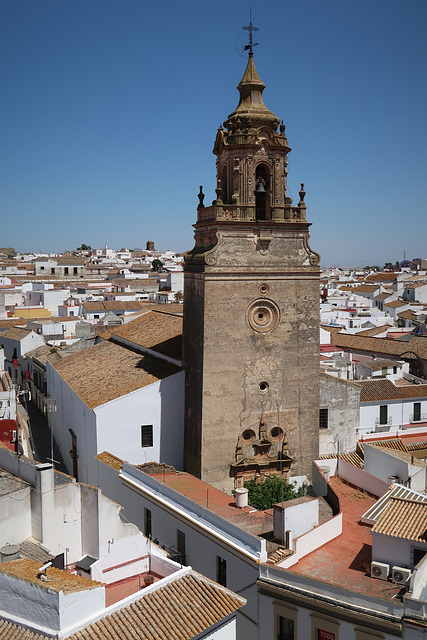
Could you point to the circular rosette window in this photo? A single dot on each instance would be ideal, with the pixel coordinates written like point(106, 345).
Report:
point(263, 315)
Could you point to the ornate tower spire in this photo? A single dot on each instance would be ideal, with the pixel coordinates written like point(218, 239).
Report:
point(251, 110)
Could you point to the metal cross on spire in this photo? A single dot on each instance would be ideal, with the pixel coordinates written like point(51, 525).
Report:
point(251, 29)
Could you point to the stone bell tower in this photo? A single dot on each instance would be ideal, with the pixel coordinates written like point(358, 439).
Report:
point(251, 310)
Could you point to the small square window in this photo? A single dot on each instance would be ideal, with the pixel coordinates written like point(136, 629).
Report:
point(323, 419)
point(147, 435)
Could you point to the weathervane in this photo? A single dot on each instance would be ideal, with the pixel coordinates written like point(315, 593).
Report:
point(251, 29)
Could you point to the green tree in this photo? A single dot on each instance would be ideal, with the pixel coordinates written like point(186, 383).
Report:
point(263, 495)
point(84, 247)
point(179, 296)
point(156, 265)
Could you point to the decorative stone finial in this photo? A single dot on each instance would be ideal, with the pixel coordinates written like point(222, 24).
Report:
point(302, 193)
point(282, 127)
point(201, 197)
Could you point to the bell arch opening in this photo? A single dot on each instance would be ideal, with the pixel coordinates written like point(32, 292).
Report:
point(262, 192)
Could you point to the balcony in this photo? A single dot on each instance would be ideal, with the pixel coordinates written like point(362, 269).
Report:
point(422, 417)
point(382, 423)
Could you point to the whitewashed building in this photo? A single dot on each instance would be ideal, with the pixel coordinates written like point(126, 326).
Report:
point(124, 395)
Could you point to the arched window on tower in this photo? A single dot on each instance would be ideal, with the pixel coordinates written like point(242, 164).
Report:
point(262, 192)
point(224, 184)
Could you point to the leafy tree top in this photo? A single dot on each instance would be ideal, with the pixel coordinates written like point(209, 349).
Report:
point(263, 495)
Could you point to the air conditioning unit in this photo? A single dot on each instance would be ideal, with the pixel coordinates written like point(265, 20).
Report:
point(380, 570)
point(400, 575)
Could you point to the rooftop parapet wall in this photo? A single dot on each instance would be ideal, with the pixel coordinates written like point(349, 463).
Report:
point(337, 595)
point(236, 213)
point(204, 518)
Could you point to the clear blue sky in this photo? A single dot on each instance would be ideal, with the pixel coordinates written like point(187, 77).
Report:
point(110, 110)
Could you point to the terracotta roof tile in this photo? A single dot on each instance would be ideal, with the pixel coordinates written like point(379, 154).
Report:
point(112, 305)
point(374, 390)
point(156, 330)
point(352, 458)
point(374, 330)
point(179, 610)
point(381, 277)
point(395, 304)
point(16, 333)
point(110, 460)
point(386, 346)
point(404, 518)
point(366, 288)
point(108, 371)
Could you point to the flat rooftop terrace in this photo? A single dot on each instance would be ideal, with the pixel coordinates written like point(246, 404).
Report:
point(346, 560)
point(249, 519)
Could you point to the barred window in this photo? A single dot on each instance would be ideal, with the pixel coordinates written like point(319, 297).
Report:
point(323, 418)
point(147, 435)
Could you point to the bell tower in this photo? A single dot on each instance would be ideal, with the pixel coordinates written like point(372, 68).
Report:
point(251, 309)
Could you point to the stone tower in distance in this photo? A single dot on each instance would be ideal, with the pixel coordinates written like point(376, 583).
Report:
point(251, 310)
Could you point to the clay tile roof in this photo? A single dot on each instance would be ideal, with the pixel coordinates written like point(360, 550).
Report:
point(8, 323)
point(352, 458)
point(110, 460)
point(58, 580)
point(402, 455)
point(403, 518)
point(374, 390)
point(155, 330)
point(11, 631)
point(409, 314)
point(15, 333)
point(108, 371)
point(366, 288)
point(389, 346)
point(381, 277)
point(112, 305)
point(74, 260)
point(180, 610)
point(393, 443)
point(374, 330)
point(395, 304)
point(383, 296)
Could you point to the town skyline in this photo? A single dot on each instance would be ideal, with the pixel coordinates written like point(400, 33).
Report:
point(111, 114)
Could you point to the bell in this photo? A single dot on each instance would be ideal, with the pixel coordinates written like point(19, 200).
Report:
point(260, 187)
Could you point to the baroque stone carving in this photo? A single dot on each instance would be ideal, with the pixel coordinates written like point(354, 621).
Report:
point(263, 315)
point(313, 257)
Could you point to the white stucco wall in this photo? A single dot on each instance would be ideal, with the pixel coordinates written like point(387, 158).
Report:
point(15, 519)
point(397, 552)
point(72, 413)
point(398, 413)
point(381, 464)
point(159, 404)
point(116, 425)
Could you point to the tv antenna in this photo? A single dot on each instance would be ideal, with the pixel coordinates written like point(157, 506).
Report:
point(251, 29)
